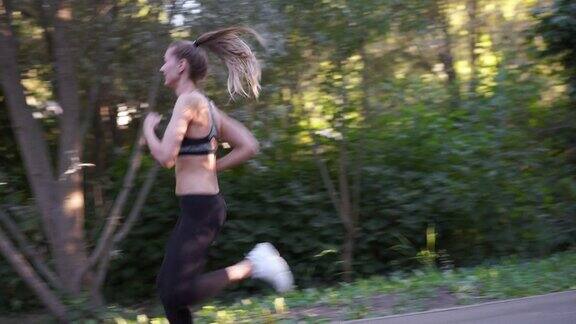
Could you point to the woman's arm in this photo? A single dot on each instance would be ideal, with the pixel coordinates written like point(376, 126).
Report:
point(244, 144)
point(165, 151)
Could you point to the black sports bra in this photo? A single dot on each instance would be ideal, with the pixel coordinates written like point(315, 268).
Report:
point(200, 146)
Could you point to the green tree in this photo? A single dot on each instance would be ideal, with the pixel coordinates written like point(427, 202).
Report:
point(59, 191)
point(557, 24)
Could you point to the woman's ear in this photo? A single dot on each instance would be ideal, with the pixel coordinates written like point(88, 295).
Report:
point(182, 66)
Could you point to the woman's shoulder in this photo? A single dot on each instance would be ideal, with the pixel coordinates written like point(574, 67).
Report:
point(192, 100)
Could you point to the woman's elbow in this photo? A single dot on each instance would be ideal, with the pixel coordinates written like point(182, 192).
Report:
point(254, 148)
point(167, 162)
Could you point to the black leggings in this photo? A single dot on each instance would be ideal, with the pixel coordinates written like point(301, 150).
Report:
point(180, 282)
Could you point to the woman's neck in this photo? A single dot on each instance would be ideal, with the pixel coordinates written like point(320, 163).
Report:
point(185, 86)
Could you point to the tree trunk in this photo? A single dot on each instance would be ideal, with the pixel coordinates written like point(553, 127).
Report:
point(69, 221)
point(341, 206)
point(348, 254)
point(471, 7)
point(447, 58)
point(27, 131)
point(346, 212)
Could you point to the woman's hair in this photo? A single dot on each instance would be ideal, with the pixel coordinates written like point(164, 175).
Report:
point(234, 52)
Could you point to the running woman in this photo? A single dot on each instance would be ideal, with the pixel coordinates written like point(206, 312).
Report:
point(189, 143)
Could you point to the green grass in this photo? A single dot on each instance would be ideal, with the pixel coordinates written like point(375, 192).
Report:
point(398, 293)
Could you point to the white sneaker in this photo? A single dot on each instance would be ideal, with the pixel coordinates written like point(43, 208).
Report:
point(269, 266)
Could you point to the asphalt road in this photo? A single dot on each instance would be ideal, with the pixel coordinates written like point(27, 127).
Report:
point(555, 308)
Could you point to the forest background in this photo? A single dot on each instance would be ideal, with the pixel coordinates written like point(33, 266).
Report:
point(394, 134)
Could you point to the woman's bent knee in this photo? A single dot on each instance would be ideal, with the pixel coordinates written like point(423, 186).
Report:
point(171, 298)
point(186, 295)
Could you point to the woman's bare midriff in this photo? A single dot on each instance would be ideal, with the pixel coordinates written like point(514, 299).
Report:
point(196, 174)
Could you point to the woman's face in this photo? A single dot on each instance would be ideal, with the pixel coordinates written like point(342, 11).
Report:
point(171, 69)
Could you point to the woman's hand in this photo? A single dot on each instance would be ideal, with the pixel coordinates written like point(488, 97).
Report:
point(165, 150)
point(244, 144)
point(152, 120)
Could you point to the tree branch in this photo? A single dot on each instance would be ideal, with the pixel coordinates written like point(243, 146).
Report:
point(326, 176)
point(27, 273)
point(101, 271)
point(106, 238)
point(29, 251)
point(135, 213)
point(140, 200)
point(116, 212)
